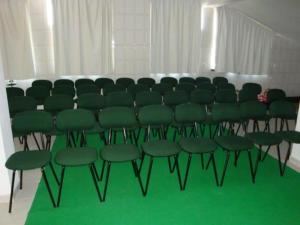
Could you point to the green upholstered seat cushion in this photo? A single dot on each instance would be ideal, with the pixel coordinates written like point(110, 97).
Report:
point(120, 152)
point(235, 143)
point(76, 156)
point(189, 113)
point(155, 115)
point(264, 138)
point(32, 121)
point(28, 160)
point(198, 145)
point(160, 148)
point(290, 136)
point(75, 119)
point(95, 130)
point(283, 109)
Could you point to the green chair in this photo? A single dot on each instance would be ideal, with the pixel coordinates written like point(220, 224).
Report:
point(246, 95)
point(231, 143)
point(217, 80)
point(77, 157)
point(86, 89)
point(14, 91)
point(147, 81)
point(186, 114)
point(121, 119)
point(64, 90)
point(148, 98)
point(39, 93)
point(84, 81)
point(207, 87)
point(46, 83)
point(158, 117)
point(109, 88)
point(225, 96)
point(275, 95)
point(173, 98)
point(134, 89)
point(119, 99)
point(64, 82)
point(202, 97)
point(57, 103)
point(253, 87)
point(171, 81)
point(226, 86)
point(21, 104)
point(162, 88)
point(186, 87)
point(200, 80)
point(125, 81)
point(21, 161)
point(75, 121)
point(101, 82)
point(189, 80)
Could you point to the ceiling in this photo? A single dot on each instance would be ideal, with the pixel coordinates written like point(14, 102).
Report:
point(282, 16)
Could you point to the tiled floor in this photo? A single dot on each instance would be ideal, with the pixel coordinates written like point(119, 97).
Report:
point(23, 199)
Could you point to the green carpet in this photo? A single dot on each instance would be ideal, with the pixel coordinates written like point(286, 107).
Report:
point(272, 200)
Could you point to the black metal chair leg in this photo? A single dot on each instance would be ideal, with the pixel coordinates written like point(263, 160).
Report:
point(36, 141)
point(187, 171)
point(148, 176)
point(106, 180)
point(138, 175)
point(48, 187)
point(172, 168)
point(61, 185)
point(266, 153)
point(54, 173)
point(11, 191)
point(258, 159)
point(141, 163)
point(208, 163)
point(251, 166)
point(178, 171)
point(225, 168)
point(286, 159)
point(236, 157)
point(212, 156)
point(202, 161)
point(21, 179)
point(92, 170)
point(102, 170)
point(279, 161)
point(95, 171)
point(134, 169)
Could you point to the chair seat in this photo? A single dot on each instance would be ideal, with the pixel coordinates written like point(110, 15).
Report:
point(76, 156)
point(28, 160)
point(120, 152)
point(198, 145)
point(95, 130)
point(264, 138)
point(161, 148)
point(234, 143)
point(290, 136)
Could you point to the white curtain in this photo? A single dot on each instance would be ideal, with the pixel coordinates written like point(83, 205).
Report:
point(175, 36)
point(82, 37)
point(243, 45)
point(15, 46)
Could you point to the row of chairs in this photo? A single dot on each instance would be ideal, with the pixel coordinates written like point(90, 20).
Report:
point(152, 119)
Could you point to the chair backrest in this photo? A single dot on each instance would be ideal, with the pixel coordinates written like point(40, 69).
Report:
point(186, 87)
point(32, 121)
point(155, 115)
point(134, 89)
point(200, 80)
point(218, 80)
point(189, 80)
point(190, 113)
point(45, 83)
point(64, 90)
point(169, 80)
point(148, 98)
point(226, 112)
point(93, 102)
point(247, 94)
point(57, 103)
point(253, 87)
point(39, 93)
point(206, 86)
point(20, 104)
point(117, 117)
point(173, 98)
point(283, 109)
point(101, 82)
point(64, 82)
point(75, 120)
point(162, 88)
point(125, 81)
point(202, 97)
point(121, 98)
point(86, 89)
point(146, 81)
point(225, 86)
point(14, 91)
point(109, 88)
point(275, 95)
point(254, 110)
point(84, 81)
point(225, 96)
